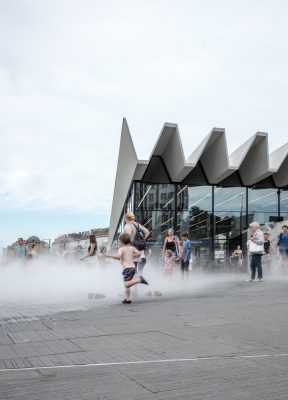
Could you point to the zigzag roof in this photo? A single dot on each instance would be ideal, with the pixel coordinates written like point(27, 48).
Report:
point(251, 162)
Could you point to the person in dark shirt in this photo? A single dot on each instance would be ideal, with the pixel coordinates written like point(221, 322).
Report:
point(172, 243)
point(92, 250)
point(283, 247)
point(266, 258)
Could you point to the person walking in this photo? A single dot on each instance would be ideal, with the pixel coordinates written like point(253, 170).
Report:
point(256, 250)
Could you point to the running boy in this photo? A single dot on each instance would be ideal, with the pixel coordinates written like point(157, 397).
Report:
point(126, 255)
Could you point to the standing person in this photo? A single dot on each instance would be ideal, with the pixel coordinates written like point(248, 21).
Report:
point(169, 262)
point(283, 247)
point(267, 248)
point(130, 228)
point(92, 249)
point(125, 255)
point(237, 258)
point(172, 243)
point(20, 250)
point(257, 238)
point(186, 253)
point(32, 252)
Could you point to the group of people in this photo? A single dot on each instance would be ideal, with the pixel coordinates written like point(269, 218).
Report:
point(24, 252)
point(175, 251)
point(259, 249)
point(133, 258)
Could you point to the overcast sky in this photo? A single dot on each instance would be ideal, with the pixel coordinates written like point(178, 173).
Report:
point(71, 70)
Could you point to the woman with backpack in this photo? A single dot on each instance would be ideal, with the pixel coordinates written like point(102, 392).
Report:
point(138, 233)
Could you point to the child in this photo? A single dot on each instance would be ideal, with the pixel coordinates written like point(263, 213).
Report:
point(186, 253)
point(126, 255)
point(169, 262)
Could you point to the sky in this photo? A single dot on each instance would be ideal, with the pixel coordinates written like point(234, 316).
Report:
point(70, 70)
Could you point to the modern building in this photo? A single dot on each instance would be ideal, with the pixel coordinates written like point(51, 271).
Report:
point(211, 195)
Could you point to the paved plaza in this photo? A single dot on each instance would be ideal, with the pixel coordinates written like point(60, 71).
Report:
point(224, 341)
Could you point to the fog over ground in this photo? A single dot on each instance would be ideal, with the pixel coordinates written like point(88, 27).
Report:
point(47, 286)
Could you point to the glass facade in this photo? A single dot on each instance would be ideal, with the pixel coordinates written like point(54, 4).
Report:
point(155, 208)
point(215, 217)
point(229, 220)
point(262, 205)
point(283, 200)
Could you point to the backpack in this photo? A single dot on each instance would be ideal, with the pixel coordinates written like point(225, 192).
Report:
point(139, 241)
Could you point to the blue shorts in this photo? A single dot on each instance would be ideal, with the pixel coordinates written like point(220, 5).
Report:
point(284, 253)
point(128, 274)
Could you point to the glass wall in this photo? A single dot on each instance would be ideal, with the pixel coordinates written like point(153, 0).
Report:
point(214, 217)
point(155, 208)
point(262, 205)
point(229, 219)
point(194, 216)
point(284, 205)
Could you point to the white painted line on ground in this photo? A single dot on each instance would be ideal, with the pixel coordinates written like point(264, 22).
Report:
point(172, 360)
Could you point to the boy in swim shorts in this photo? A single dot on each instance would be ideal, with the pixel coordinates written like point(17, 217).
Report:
point(126, 254)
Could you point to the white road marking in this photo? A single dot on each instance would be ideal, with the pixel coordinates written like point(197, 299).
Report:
point(172, 360)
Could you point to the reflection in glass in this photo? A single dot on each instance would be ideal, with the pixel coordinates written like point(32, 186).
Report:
point(229, 219)
point(189, 197)
point(284, 204)
point(157, 222)
point(262, 205)
point(154, 197)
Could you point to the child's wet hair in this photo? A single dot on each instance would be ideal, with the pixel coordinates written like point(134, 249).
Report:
point(125, 238)
point(169, 253)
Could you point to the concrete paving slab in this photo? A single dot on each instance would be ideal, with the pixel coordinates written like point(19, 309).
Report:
point(228, 342)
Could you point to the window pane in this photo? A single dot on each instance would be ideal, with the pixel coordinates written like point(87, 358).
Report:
point(230, 221)
point(262, 205)
point(194, 205)
point(154, 197)
point(284, 204)
point(194, 197)
point(157, 222)
point(230, 210)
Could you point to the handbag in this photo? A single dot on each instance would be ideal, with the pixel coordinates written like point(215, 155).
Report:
point(255, 248)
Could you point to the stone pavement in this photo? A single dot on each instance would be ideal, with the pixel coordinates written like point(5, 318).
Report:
point(227, 341)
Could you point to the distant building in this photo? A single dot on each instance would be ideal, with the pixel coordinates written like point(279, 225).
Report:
point(77, 243)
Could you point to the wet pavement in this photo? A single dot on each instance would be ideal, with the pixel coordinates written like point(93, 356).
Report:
point(224, 341)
